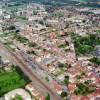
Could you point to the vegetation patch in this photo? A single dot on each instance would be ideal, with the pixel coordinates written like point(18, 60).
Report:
point(95, 60)
point(83, 89)
point(11, 80)
point(85, 45)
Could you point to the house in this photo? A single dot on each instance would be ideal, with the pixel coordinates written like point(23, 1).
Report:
point(34, 92)
point(35, 17)
point(1, 12)
point(57, 87)
point(85, 98)
point(75, 97)
point(51, 68)
point(52, 21)
point(52, 35)
point(7, 16)
point(71, 87)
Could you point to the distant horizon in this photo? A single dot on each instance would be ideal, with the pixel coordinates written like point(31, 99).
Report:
point(81, 3)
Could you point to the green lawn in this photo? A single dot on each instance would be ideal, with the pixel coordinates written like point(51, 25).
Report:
point(22, 17)
point(10, 81)
point(18, 97)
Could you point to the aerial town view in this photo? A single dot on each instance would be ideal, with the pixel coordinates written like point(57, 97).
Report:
point(49, 49)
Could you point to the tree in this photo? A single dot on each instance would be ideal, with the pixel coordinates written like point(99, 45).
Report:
point(32, 44)
point(64, 94)
point(35, 12)
point(67, 77)
point(83, 89)
point(41, 22)
point(17, 31)
point(47, 97)
point(12, 27)
point(61, 65)
point(47, 79)
point(85, 45)
point(66, 80)
point(95, 60)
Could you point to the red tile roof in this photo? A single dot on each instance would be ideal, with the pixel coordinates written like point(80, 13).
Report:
point(52, 35)
point(85, 98)
point(42, 98)
point(57, 86)
point(71, 87)
point(75, 97)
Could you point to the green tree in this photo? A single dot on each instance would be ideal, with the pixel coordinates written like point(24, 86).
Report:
point(95, 60)
point(12, 27)
point(83, 89)
point(66, 80)
point(47, 97)
point(64, 94)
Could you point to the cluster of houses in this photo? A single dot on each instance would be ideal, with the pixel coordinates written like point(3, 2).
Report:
point(53, 49)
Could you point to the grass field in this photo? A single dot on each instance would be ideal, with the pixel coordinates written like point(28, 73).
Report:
point(10, 81)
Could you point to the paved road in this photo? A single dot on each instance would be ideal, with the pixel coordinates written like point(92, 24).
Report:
point(29, 72)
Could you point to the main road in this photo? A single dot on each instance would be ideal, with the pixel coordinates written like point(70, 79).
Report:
point(28, 71)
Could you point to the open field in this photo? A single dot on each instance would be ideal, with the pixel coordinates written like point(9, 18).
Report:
point(10, 81)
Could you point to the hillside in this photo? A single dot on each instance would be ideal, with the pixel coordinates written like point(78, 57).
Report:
point(85, 3)
point(64, 1)
point(86, 0)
